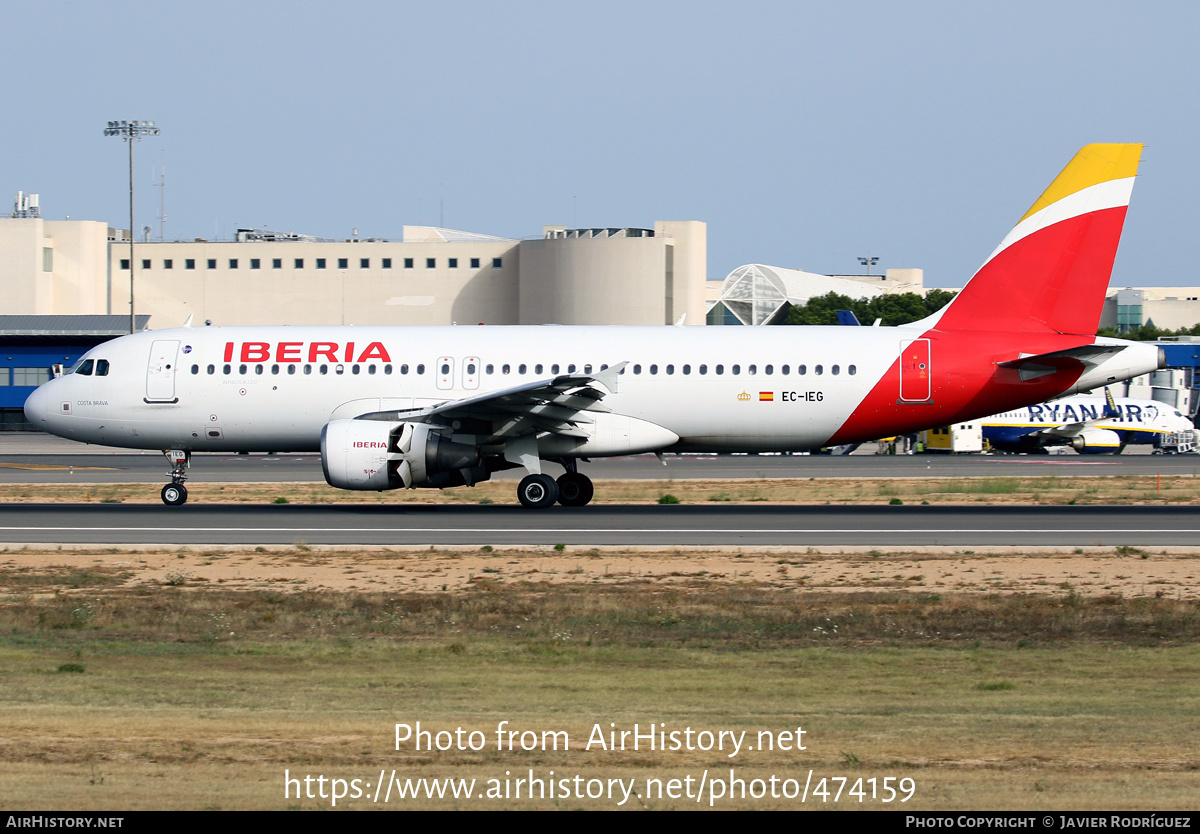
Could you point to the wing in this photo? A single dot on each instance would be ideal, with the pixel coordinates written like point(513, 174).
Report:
point(556, 405)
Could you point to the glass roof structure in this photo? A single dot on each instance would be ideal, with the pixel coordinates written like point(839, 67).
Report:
point(758, 294)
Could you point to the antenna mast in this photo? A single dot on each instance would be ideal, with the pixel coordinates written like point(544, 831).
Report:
point(161, 185)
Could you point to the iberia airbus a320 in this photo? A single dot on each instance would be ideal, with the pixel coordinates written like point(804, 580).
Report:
point(392, 407)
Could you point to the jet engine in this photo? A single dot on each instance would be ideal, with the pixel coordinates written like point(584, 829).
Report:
point(369, 454)
point(1094, 441)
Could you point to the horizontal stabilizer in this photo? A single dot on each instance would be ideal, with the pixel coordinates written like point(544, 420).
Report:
point(1034, 366)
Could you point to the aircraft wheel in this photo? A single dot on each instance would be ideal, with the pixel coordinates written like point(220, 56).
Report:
point(174, 495)
point(575, 489)
point(537, 491)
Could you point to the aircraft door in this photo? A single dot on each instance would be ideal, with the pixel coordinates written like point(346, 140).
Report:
point(445, 373)
point(915, 371)
point(160, 373)
point(470, 372)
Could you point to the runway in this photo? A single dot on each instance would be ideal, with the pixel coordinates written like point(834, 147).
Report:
point(662, 526)
point(64, 465)
point(42, 459)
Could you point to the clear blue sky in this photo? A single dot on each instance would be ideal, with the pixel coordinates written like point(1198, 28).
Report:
point(804, 133)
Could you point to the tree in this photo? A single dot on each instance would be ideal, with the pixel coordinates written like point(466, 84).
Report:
point(895, 309)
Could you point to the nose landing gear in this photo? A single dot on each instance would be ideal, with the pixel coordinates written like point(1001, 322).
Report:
point(174, 494)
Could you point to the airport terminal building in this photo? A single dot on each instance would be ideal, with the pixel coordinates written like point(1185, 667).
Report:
point(431, 276)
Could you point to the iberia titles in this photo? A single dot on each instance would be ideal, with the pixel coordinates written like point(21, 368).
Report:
point(304, 352)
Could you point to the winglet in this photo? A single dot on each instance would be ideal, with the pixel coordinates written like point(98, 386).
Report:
point(608, 377)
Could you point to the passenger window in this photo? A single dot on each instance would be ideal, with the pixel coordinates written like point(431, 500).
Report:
point(387, 369)
point(339, 369)
point(537, 369)
point(835, 370)
point(687, 370)
point(554, 368)
point(703, 370)
point(852, 370)
point(506, 369)
point(291, 370)
point(769, 369)
point(570, 369)
point(801, 369)
point(737, 369)
point(818, 370)
point(258, 369)
point(404, 369)
point(670, 369)
point(85, 367)
point(420, 369)
point(587, 369)
point(751, 369)
point(274, 370)
point(654, 369)
point(521, 368)
point(784, 370)
point(720, 369)
point(212, 369)
point(490, 369)
point(242, 370)
point(370, 369)
point(323, 370)
point(227, 369)
point(354, 369)
point(637, 369)
point(307, 370)
point(195, 369)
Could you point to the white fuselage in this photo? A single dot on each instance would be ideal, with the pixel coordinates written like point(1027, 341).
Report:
point(750, 389)
point(682, 388)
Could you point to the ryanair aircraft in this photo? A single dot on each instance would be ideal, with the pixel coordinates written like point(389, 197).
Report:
point(1096, 425)
point(392, 407)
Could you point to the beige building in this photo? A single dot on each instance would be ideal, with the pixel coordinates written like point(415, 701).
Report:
point(432, 276)
point(53, 267)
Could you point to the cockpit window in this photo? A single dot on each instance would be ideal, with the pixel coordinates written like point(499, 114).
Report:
point(101, 367)
point(84, 368)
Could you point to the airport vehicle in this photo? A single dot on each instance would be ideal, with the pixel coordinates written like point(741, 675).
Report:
point(1088, 424)
point(392, 407)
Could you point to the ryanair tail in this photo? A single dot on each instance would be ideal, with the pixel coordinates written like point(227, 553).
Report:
point(1050, 274)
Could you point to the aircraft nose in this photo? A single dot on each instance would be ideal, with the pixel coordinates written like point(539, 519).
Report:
point(37, 407)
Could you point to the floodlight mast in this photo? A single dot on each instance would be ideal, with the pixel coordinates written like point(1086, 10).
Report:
point(868, 262)
point(129, 131)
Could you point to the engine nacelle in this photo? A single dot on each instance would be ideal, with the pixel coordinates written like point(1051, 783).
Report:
point(1093, 441)
point(375, 455)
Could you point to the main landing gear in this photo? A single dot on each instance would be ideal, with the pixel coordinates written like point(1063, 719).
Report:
point(572, 489)
point(174, 494)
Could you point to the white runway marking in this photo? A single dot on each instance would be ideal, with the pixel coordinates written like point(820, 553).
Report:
point(609, 530)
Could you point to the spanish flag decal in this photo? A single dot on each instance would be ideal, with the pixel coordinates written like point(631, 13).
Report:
point(766, 396)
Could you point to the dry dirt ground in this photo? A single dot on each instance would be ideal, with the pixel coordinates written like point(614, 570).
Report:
point(1128, 572)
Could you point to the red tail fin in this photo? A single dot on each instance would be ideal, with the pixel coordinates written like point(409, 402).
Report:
point(1051, 272)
